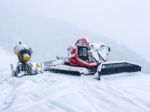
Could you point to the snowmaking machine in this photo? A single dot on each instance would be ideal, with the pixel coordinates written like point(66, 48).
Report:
point(24, 66)
point(98, 54)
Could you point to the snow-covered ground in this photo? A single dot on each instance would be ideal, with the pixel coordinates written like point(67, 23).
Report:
point(49, 92)
point(6, 59)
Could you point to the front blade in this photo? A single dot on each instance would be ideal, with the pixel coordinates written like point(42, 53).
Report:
point(120, 67)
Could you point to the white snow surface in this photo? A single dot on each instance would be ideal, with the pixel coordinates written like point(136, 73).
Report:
point(6, 59)
point(50, 92)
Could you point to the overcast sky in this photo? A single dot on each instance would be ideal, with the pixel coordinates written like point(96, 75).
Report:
point(127, 21)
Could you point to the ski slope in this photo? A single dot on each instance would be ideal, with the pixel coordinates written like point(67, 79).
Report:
point(50, 92)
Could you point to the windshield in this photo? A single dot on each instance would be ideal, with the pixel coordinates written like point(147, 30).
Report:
point(83, 53)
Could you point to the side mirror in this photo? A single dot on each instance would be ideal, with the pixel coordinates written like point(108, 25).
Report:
point(109, 49)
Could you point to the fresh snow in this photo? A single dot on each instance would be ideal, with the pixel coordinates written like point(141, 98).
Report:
point(50, 92)
point(6, 59)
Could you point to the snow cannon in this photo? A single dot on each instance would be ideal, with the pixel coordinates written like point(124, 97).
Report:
point(23, 67)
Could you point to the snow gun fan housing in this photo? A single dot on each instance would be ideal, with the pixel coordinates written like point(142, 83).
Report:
point(23, 52)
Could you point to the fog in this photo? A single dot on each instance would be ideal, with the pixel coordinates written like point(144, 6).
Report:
point(126, 21)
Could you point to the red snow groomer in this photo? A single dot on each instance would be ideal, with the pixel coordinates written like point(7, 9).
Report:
point(80, 53)
point(85, 58)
